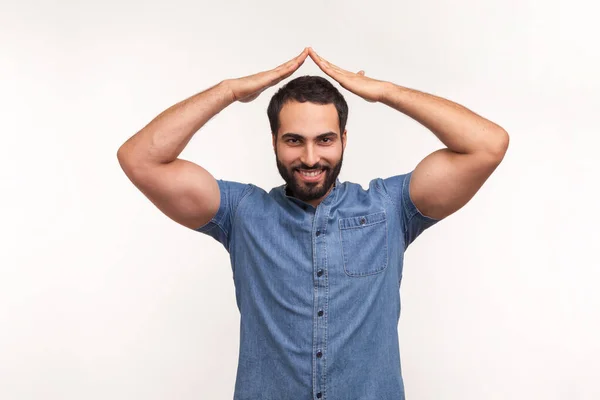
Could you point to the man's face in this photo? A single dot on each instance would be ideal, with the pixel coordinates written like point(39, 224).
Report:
point(309, 140)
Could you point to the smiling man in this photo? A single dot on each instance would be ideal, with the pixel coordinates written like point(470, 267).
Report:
point(308, 162)
point(317, 264)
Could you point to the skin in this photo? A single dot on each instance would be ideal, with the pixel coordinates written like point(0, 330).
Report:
point(299, 145)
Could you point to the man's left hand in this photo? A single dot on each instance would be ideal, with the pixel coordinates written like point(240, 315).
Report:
point(368, 88)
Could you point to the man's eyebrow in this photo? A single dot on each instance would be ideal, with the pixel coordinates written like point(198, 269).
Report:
point(293, 135)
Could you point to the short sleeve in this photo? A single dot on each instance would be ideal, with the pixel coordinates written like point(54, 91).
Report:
point(221, 225)
point(413, 221)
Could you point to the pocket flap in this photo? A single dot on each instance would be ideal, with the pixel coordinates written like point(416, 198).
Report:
point(362, 220)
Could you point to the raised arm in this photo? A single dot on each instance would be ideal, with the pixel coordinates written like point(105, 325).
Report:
point(445, 180)
point(182, 190)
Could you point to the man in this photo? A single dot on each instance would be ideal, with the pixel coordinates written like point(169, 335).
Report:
point(317, 263)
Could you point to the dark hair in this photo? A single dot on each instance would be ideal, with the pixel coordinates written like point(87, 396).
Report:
point(314, 89)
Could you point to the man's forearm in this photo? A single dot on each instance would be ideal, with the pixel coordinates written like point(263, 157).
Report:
point(165, 137)
point(460, 129)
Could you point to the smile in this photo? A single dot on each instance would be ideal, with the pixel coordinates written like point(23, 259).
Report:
point(311, 176)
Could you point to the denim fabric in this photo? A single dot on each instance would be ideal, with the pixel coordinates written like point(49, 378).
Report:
point(318, 289)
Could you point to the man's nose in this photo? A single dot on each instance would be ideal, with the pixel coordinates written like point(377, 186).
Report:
point(309, 156)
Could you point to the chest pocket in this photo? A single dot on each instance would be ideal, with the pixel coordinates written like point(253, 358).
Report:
point(364, 243)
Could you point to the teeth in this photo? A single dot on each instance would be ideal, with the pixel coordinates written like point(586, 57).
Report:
point(310, 174)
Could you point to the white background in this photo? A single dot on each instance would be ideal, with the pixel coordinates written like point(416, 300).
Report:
point(104, 297)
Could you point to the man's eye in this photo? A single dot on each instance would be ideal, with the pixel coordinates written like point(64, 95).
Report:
point(289, 140)
point(327, 139)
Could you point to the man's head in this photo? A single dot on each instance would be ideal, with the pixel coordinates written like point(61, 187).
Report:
point(308, 118)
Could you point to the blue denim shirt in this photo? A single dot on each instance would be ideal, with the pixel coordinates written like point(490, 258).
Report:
point(318, 289)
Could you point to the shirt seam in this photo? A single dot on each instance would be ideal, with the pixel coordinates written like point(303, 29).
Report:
point(396, 205)
point(245, 194)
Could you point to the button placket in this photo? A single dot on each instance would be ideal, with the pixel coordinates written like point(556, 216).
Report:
point(320, 219)
point(320, 321)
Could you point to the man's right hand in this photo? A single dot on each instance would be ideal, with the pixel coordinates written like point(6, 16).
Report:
point(248, 88)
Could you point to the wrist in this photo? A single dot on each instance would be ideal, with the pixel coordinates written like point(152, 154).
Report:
point(387, 88)
point(225, 87)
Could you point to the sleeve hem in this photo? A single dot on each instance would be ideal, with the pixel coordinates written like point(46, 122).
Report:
point(218, 217)
point(409, 206)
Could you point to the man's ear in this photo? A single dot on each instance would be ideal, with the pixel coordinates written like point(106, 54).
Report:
point(274, 137)
point(344, 139)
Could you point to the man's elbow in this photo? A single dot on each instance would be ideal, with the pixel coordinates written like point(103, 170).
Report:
point(498, 146)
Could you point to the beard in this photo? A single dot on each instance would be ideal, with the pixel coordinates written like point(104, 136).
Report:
point(308, 191)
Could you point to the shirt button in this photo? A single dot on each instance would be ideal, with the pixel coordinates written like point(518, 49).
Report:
point(320, 313)
point(320, 272)
point(362, 221)
point(319, 354)
point(319, 395)
point(318, 233)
